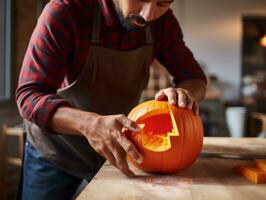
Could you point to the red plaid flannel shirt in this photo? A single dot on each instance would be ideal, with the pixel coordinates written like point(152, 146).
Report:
point(60, 43)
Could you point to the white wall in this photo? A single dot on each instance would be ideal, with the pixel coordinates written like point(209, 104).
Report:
point(213, 31)
point(5, 49)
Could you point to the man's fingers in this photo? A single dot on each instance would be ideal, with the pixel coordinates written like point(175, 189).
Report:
point(128, 124)
point(129, 148)
point(160, 96)
point(181, 98)
point(121, 162)
point(105, 152)
point(178, 96)
point(171, 95)
point(190, 102)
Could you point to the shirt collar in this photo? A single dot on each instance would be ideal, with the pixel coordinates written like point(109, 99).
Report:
point(108, 11)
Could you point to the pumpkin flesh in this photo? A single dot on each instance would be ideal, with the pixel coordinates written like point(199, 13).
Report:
point(157, 131)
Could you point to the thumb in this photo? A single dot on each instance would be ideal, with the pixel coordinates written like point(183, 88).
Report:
point(160, 96)
point(129, 124)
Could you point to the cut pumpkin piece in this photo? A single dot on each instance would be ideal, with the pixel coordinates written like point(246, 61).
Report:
point(157, 131)
point(251, 172)
point(261, 164)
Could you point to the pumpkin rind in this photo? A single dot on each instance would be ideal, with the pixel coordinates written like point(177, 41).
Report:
point(185, 147)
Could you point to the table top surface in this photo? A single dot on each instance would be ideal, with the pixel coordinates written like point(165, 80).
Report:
point(207, 178)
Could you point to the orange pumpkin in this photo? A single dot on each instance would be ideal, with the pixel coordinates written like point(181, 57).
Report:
point(171, 138)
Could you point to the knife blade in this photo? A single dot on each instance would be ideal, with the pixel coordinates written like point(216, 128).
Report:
point(231, 156)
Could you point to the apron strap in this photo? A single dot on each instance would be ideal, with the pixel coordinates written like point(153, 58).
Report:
point(96, 27)
point(148, 34)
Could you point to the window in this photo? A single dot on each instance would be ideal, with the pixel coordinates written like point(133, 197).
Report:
point(5, 45)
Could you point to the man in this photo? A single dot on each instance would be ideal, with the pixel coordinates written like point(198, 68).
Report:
point(84, 70)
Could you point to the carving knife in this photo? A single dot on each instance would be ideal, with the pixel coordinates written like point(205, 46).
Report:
point(232, 156)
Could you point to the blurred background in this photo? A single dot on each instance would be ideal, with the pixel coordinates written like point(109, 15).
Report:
point(227, 37)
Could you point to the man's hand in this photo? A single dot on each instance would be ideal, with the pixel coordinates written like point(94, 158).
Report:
point(180, 97)
point(107, 137)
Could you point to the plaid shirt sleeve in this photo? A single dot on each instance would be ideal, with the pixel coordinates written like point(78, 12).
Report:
point(44, 66)
point(175, 55)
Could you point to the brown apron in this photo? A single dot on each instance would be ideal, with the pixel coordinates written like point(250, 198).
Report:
point(111, 82)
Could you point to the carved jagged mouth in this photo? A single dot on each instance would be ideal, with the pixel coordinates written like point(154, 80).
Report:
point(158, 127)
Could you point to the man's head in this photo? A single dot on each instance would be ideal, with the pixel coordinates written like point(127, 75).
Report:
point(136, 14)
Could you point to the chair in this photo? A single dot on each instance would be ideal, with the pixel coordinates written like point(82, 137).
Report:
point(8, 181)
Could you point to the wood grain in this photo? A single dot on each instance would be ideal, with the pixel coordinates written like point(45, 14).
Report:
point(206, 179)
point(235, 146)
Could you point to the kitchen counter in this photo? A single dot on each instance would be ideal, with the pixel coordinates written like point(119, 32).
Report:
point(206, 179)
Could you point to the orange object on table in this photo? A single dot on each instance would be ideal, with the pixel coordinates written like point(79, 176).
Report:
point(261, 164)
point(251, 171)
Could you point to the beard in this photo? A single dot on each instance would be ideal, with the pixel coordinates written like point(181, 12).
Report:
point(128, 22)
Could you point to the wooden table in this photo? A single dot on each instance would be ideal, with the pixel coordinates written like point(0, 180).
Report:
point(206, 179)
